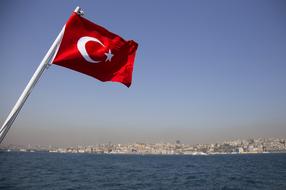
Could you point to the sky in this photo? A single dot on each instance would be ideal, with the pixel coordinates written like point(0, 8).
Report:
point(205, 71)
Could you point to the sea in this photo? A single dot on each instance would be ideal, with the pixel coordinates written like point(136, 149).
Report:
point(39, 170)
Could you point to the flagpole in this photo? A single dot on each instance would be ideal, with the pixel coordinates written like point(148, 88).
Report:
point(33, 81)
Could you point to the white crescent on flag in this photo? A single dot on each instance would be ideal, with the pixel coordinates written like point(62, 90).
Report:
point(81, 47)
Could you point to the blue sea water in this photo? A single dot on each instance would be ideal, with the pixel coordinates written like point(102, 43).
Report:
point(36, 171)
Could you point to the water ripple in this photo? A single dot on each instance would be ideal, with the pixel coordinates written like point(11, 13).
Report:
point(115, 172)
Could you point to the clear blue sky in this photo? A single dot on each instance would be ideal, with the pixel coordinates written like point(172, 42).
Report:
point(205, 71)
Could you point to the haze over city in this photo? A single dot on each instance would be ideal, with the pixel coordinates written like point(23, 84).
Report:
point(204, 72)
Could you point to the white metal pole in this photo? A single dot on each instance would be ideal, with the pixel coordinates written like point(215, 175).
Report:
point(25, 94)
point(19, 104)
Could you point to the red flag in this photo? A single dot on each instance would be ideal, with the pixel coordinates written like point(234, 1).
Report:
point(91, 49)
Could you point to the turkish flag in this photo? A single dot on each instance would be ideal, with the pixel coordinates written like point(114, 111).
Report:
point(91, 49)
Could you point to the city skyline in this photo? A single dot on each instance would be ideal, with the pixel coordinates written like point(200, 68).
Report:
point(238, 146)
point(204, 72)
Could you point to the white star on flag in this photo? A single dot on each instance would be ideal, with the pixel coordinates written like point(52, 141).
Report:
point(109, 56)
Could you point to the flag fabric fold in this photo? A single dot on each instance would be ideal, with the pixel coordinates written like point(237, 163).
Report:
point(93, 50)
